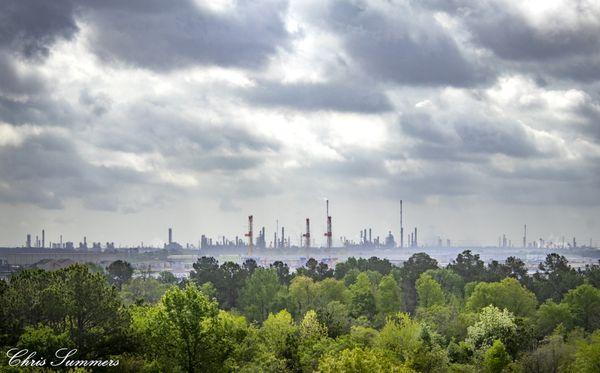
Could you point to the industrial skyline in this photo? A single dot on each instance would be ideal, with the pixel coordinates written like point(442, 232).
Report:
point(306, 240)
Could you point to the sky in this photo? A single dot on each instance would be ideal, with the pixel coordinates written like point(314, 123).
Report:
point(121, 119)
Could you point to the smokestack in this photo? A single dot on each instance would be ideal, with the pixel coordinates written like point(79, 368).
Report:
point(282, 237)
point(328, 234)
point(307, 234)
point(250, 235)
point(61, 242)
point(28, 242)
point(525, 235)
point(401, 227)
point(170, 236)
point(43, 238)
point(370, 240)
point(275, 242)
point(415, 238)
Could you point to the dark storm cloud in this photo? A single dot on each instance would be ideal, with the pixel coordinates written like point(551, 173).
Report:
point(171, 135)
point(561, 47)
point(30, 27)
point(408, 47)
point(186, 144)
point(47, 170)
point(510, 35)
point(154, 34)
point(467, 138)
point(174, 34)
point(562, 192)
point(589, 112)
point(336, 96)
point(12, 82)
point(354, 164)
point(363, 173)
point(438, 180)
point(42, 110)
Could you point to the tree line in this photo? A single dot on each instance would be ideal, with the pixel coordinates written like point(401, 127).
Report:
point(363, 315)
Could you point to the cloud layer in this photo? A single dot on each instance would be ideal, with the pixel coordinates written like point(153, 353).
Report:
point(137, 107)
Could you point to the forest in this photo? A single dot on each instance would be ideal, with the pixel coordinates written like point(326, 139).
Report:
point(364, 315)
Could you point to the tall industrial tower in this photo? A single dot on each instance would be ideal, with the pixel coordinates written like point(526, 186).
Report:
point(307, 234)
point(250, 235)
point(525, 236)
point(328, 234)
point(401, 227)
point(415, 242)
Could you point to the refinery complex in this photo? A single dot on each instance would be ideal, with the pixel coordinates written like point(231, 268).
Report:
point(266, 248)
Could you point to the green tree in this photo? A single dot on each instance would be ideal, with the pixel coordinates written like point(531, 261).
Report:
point(191, 316)
point(360, 360)
point(388, 296)
point(584, 303)
point(90, 310)
point(70, 300)
point(350, 277)
point(362, 300)
point(508, 293)
point(552, 355)
point(313, 341)
point(496, 271)
point(283, 272)
point(276, 331)
point(550, 315)
point(235, 341)
point(342, 268)
point(409, 273)
point(429, 291)
point(44, 340)
point(588, 356)
point(315, 270)
point(469, 266)
point(401, 336)
point(335, 316)
point(451, 282)
point(262, 294)
point(119, 272)
point(329, 290)
point(230, 279)
point(554, 278)
point(139, 290)
point(411, 343)
point(206, 269)
point(492, 323)
point(495, 358)
point(168, 278)
point(23, 303)
point(517, 269)
point(302, 295)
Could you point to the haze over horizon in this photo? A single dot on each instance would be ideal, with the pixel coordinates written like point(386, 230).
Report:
point(119, 120)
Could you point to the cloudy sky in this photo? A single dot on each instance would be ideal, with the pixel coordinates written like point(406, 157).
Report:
point(120, 119)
